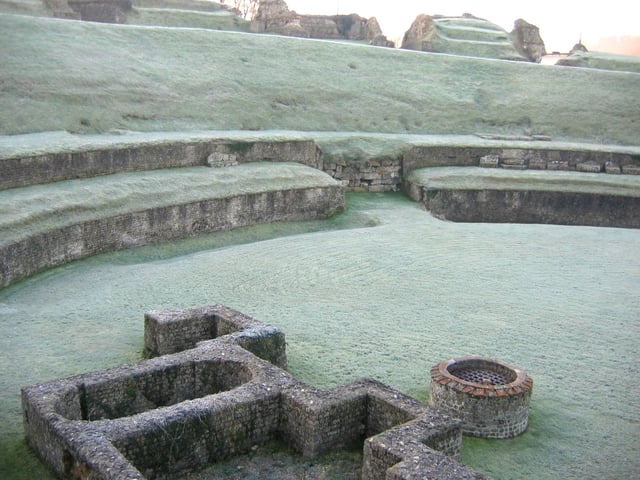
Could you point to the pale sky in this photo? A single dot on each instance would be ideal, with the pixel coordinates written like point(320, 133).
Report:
point(561, 22)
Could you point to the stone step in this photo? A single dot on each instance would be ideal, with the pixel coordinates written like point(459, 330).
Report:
point(47, 225)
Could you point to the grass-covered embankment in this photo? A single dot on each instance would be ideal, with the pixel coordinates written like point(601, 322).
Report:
point(94, 78)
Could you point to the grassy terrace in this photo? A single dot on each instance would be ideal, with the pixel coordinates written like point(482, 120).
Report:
point(500, 179)
point(29, 211)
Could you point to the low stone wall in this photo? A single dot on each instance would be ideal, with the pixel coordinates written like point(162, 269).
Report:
point(59, 246)
point(533, 206)
point(22, 171)
point(172, 331)
point(374, 175)
point(22, 259)
point(105, 11)
point(179, 412)
point(521, 158)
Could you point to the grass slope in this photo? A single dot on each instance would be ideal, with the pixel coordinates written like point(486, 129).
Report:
point(93, 78)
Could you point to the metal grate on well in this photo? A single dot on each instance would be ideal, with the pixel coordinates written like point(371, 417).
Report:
point(481, 375)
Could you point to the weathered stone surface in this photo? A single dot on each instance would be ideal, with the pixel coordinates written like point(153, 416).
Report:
point(274, 16)
point(527, 40)
point(54, 167)
point(515, 158)
point(421, 27)
point(466, 35)
point(61, 9)
point(382, 41)
point(176, 413)
point(143, 225)
point(490, 161)
point(500, 206)
point(105, 11)
point(592, 204)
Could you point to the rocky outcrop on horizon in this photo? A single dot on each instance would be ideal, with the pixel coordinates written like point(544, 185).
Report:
point(274, 16)
point(466, 35)
point(527, 40)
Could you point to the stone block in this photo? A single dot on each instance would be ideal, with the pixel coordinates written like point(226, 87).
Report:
point(558, 165)
point(631, 169)
point(536, 162)
point(219, 160)
point(490, 161)
point(589, 167)
point(612, 168)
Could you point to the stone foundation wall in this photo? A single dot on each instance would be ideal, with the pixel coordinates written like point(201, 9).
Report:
point(179, 412)
point(172, 331)
point(105, 11)
point(374, 175)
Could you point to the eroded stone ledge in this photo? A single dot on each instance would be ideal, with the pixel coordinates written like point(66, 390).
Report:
point(471, 194)
point(25, 170)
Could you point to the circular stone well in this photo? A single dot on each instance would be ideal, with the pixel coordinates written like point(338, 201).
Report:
point(490, 397)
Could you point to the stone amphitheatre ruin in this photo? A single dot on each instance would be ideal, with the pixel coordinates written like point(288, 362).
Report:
point(217, 364)
point(216, 382)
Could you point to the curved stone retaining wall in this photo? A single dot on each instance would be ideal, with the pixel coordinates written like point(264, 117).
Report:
point(533, 206)
point(471, 194)
point(22, 259)
point(373, 174)
point(21, 171)
point(59, 246)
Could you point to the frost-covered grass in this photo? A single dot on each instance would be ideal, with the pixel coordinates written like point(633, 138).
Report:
point(387, 301)
point(474, 178)
point(94, 78)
